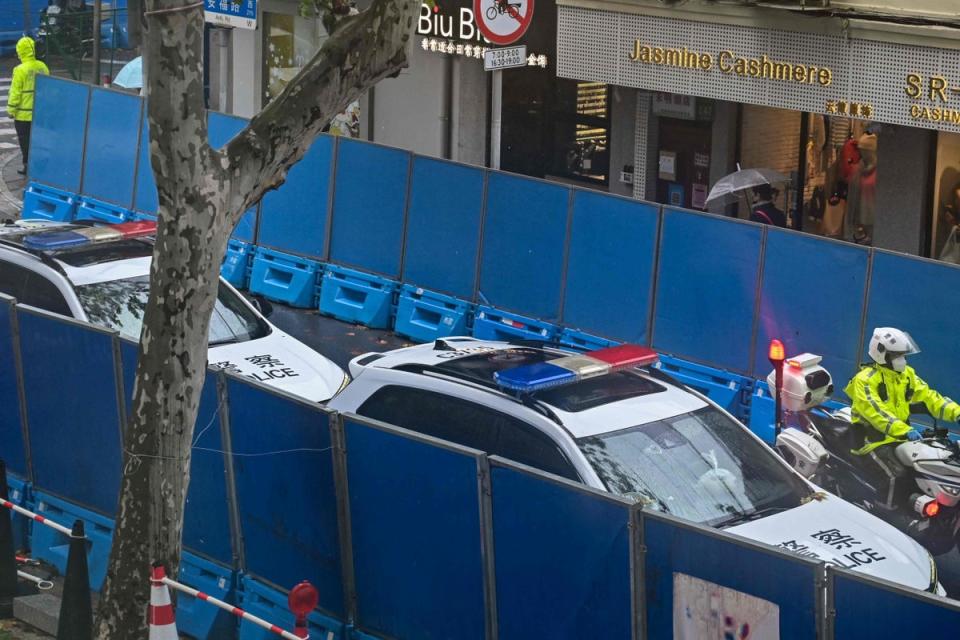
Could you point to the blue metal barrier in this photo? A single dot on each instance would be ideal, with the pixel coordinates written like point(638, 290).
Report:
point(145, 196)
point(294, 217)
point(60, 359)
point(110, 153)
point(271, 604)
point(707, 282)
point(354, 296)
point(493, 324)
point(609, 275)
point(524, 245)
point(871, 608)
point(198, 619)
point(917, 295)
point(287, 501)
point(563, 567)
point(369, 207)
point(443, 228)
point(416, 538)
point(11, 426)
point(57, 136)
point(675, 547)
point(811, 298)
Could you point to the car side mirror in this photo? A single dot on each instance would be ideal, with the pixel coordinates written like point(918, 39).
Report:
point(262, 305)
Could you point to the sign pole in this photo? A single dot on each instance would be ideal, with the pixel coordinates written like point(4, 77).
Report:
point(496, 105)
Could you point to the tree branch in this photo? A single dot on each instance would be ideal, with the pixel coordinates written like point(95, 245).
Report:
point(363, 50)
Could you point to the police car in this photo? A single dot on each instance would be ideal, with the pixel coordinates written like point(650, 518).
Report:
point(612, 420)
point(101, 275)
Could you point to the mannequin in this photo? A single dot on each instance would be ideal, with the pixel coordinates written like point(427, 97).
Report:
point(861, 199)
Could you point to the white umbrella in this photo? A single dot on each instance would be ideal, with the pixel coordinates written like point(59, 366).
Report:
point(131, 76)
point(729, 187)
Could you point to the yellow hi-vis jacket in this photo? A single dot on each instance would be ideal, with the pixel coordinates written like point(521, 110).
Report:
point(882, 398)
point(20, 101)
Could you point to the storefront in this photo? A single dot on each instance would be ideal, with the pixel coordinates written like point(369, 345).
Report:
point(867, 129)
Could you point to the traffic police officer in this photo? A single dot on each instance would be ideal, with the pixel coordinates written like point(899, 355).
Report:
point(20, 101)
point(882, 395)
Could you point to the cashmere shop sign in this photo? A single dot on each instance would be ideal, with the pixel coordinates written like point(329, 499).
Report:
point(814, 72)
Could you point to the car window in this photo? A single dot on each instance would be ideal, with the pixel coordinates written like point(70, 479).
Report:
point(29, 287)
point(468, 424)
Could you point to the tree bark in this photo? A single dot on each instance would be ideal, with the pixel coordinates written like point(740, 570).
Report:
point(202, 194)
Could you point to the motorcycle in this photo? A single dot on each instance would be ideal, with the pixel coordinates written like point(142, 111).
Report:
point(924, 499)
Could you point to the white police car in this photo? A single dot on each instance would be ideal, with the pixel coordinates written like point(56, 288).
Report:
point(101, 275)
point(612, 421)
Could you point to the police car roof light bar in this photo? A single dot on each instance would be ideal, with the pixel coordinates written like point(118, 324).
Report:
point(569, 369)
point(54, 240)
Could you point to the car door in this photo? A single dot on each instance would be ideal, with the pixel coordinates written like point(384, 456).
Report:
point(468, 424)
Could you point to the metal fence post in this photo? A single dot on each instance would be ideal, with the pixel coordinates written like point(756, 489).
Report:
point(338, 441)
point(233, 505)
point(638, 574)
point(827, 612)
point(485, 495)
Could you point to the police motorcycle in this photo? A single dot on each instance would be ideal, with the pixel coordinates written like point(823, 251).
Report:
point(923, 502)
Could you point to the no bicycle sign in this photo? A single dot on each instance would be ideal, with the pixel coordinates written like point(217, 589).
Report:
point(503, 21)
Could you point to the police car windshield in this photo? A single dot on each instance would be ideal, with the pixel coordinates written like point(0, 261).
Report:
point(119, 305)
point(701, 466)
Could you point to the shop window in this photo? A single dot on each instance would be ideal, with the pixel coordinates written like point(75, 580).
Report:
point(945, 232)
point(581, 131)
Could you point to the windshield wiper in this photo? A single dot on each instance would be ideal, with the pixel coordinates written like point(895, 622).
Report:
point(217, 343)
point(749, 516)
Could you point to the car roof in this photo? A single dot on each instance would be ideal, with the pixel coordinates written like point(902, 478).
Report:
point(100, 261)
point(461, 358)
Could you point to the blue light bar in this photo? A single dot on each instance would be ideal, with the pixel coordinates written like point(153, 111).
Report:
point(532, 377)
point(54, 240)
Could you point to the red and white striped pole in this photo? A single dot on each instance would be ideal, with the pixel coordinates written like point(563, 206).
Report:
point(38, 518)
point(162, 623)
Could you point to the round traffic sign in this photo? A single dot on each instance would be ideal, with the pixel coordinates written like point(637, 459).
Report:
point(503, 21)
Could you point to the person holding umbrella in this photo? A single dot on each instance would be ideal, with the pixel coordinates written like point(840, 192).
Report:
point(764, 210)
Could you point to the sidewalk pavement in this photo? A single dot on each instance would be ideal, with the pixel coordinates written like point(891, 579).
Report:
point(11, 186)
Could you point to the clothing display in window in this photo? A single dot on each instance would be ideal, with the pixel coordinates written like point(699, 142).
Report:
point(861, 198)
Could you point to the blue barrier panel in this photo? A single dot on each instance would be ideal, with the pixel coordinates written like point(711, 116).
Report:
point(57, 135)
point(220, 129)
point(871, 608)
point(11, 429)
point(443, 227)
point(562, 558)
point(369, 206)
point(613, 246)
point(287, 501)
point(206, 522)
point(675, 548)
point(110, 160)
point(822, 318)
point(60, 359)
point(706, 287)
point(294, 217)
point(916, 295)
point(524, 238)
point(415, 519)
point(146, 189)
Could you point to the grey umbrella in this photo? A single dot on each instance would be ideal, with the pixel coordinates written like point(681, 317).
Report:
point(728, 188)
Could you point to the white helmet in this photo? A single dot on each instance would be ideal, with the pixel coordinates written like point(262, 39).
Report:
point(890, 347)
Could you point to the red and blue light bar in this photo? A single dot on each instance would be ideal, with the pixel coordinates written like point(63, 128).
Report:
point(574, 368)
point(53, 240)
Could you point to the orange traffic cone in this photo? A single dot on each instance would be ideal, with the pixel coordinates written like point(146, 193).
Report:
point(162, 623)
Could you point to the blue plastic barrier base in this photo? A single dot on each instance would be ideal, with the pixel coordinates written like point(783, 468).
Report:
point(137, 216)
point(493, 324)
point(92, 209)
point(355, 296)
point(584, 341)
point(271, 605)
point(52, 546)
point(237, 264)
point(198, 619)
point(425, 316)
point(18, 492)
point(285, 278)
point(41, 202)
point(762, 410)
point(722, 387)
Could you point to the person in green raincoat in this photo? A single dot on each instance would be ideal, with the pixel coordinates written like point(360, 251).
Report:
point(22, 91)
